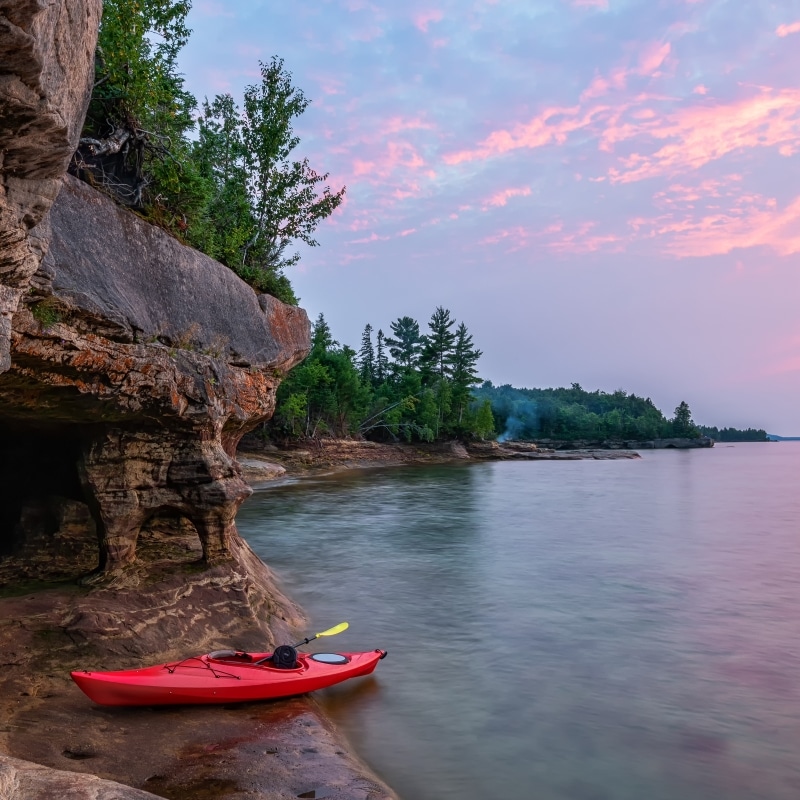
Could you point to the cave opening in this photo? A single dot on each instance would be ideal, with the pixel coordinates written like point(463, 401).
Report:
point(45, 523)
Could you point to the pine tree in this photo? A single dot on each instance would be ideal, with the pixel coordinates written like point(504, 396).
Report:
point(381, 361)
point(405, 349)
point(437, 352)
point(366, 357)
point(321, 337)
point(464, 376)
point(682, 424)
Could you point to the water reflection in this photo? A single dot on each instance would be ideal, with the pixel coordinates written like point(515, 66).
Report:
point(614, 629)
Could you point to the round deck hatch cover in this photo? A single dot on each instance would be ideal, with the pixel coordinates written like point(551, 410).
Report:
point(330, 658)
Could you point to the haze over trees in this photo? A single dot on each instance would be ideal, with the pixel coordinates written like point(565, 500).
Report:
point(574, 413)
point(227, 183)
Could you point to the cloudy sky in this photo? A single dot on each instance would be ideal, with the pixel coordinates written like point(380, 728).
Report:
point(605, 191)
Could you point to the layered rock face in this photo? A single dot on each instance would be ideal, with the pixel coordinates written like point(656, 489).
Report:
point(148, 361)
point(46, 71)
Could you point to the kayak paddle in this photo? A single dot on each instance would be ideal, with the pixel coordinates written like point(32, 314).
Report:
point(342, 626)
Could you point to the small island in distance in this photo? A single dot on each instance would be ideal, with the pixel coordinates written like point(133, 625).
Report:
point(734, 434)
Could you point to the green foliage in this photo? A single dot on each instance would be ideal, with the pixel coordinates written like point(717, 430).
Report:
point(261, 200)
point(366, 357)
point(682, 424)
point(406, 345)
point(570, 414)
point(237, 193)
point(484, 420)
point(339, 392)
point(325, 394)
point(135, 135)
point(381, 359)
point(437, 351)
point(47, 312)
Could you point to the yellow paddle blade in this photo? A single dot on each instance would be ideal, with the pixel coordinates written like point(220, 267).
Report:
point(342, 626)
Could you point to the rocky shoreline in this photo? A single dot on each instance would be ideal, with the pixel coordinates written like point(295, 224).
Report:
point(262, 462)
point(58, 742)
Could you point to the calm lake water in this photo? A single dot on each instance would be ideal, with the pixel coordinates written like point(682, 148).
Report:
point(582, 630)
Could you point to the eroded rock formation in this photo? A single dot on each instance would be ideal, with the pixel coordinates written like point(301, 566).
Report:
point(46, 71)
point(148, 361)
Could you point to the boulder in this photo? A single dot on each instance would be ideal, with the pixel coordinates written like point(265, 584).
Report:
point(21, 779)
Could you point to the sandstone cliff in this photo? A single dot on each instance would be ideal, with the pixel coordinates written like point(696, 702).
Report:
point(146, 361)
point(46, 71)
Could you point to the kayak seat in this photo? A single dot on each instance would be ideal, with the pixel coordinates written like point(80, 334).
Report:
point(284, 657)
point(231, 655)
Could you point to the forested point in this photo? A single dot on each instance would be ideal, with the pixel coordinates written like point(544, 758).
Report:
point(414, 385)
point(221, 177)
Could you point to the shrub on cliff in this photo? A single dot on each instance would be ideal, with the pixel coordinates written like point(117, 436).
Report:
point(236, 193)
point(261, 198)
point(135, 138)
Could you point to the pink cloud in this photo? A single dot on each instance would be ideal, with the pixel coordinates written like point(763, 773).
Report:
point(329, 85)
point(653, 57)
point(502, 197)
point(784, 356)
point(407, 232)
point(218, 82)
point(600, 85)
point(395, 157)
point(551, 126)
point(677, 194)
point(699, 135)
point(362, 167)
point(601, 4)
point(785, 30)
point(397, 124)
point(424, 18)
point(516, 237)
point(752, 221)
point(212, 8)
point(700, 89)
point(410, 190)
point(582, 240)
point(368, 239)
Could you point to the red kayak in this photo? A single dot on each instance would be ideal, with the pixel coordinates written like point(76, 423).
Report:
point(225, 676)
